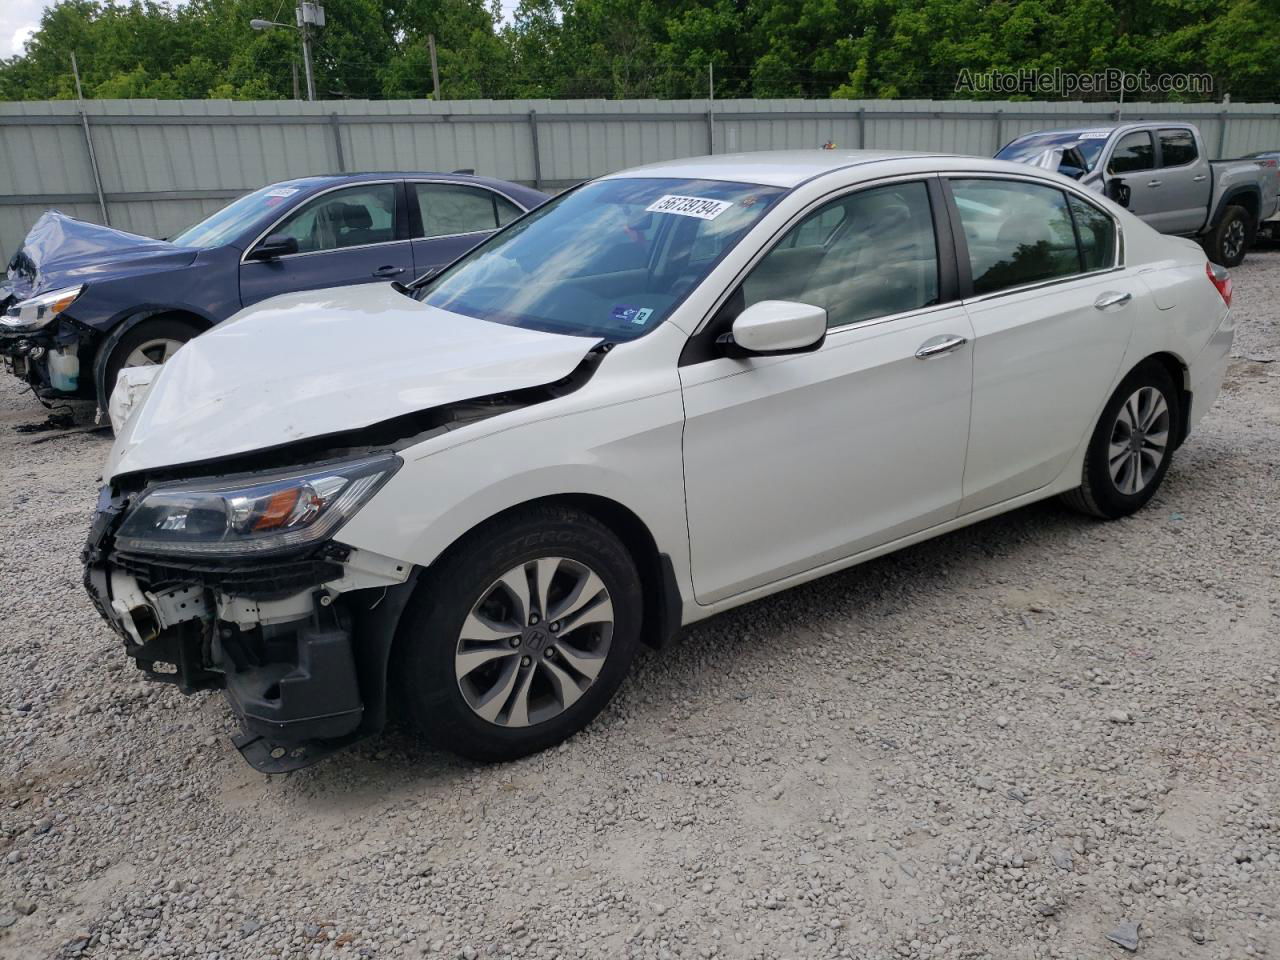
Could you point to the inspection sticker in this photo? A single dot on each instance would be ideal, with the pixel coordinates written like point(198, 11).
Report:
point(637, 315)
point(698, 207)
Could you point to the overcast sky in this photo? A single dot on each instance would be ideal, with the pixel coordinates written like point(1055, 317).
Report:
point(19, 18)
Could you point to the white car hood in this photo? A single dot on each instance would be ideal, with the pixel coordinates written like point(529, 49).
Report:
point(309, 364)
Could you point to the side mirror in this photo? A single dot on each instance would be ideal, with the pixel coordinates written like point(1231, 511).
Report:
point(276, 245)
point(773, 327)
point(1118, 191)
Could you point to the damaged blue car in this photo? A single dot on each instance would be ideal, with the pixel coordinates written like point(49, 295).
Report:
point(81, 302)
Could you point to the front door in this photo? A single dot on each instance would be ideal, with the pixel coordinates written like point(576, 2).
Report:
point(1133, 161)
point(349, 235)
point(798, 461)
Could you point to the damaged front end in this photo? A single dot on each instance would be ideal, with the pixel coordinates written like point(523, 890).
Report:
point(236, 584)
point(41, 345)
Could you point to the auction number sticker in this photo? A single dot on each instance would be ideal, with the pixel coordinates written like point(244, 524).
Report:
point(1095, 134)
point(699, 207)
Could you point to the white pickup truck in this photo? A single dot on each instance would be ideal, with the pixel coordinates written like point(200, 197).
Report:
point(1160, 171)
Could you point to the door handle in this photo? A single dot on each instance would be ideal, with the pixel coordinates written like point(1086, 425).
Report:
point(1112, 299)
point(388, 271)
point(937, 346)
point(1199, 178)
point(1154, 183)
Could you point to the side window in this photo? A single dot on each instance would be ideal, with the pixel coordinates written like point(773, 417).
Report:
point(1097, 233)
point(452, 208)
point(1017, 233)
point(1177, 147)
point(1135, 151)
point(352, 217)
point(869, 254)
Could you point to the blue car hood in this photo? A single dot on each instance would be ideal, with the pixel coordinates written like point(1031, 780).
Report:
point(60, 251)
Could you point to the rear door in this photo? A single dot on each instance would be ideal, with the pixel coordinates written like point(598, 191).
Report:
point(1052, 313)
point(345, 235)
point(448, 219)
point(1184, 182)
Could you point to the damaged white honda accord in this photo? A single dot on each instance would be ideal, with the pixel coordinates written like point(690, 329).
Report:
point(665, 393)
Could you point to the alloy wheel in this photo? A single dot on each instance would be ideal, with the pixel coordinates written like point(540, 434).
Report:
point(152, 352)
point(534, 642)
point(1233, 243)
point(1139, 440)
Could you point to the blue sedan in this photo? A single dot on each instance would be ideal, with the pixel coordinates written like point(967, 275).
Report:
point(83, 301)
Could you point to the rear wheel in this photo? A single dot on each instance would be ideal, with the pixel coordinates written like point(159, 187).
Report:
point(1131, 446)
point(522, 636)
point(1229, 241)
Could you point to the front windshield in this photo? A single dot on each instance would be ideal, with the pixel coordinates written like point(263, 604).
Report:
point(236, 217)
point(610, 259)
point(1088, 142)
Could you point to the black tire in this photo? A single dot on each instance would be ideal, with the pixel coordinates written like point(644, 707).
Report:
point(1099, 493)
point(1229, 241)
point(428, 637)
point(156, 328)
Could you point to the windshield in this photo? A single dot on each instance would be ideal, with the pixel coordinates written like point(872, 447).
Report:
point(236, 217)
point(610, 259)
point(1088, 142)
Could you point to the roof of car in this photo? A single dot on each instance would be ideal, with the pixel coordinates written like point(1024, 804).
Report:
point(774, 168)
point(324, 179)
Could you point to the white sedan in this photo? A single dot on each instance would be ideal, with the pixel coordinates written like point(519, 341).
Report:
point(665, 393)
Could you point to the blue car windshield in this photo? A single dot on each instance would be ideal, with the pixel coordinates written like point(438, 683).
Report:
point(235, 218)
point(1088, 142)
point(611, 259)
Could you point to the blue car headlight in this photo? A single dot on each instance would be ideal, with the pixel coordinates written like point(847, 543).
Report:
point(38, 312)
point(251, 515)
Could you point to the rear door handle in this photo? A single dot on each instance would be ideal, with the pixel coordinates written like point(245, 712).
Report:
point(1199, 178)
point(1154, 183)
point(937, 346)
point(388, 271)
point(1112, 298)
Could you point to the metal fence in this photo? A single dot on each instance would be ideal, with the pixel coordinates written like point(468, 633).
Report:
point(153, 166)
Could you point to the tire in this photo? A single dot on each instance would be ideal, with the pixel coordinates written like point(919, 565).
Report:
point(1111, 487)
point(153, 331)
point(1229, 241)
point(466, 594)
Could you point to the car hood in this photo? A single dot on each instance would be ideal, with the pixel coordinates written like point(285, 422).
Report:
point(310, 364)
point(60, 251)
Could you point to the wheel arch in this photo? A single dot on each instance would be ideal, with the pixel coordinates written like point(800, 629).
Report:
point(132, 320)
point(1247, 198)
point(1180, 373)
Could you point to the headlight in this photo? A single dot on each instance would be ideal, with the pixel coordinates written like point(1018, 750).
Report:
point(255, 514)
point(39, 311)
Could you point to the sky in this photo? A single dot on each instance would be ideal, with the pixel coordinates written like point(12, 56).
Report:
point(19, 18)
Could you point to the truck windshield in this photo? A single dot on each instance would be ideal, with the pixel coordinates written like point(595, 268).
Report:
point(235, 218)
point(1088, 142)
point(610, 259)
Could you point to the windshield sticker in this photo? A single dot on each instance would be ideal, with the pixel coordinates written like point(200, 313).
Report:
point(698, 207)
point(1095, 134)
point(636, 315)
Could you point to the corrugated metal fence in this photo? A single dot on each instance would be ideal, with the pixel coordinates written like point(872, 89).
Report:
point(154, 166)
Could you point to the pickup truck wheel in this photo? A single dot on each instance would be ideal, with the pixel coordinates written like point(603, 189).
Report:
point(1130, 450)
point(1228, 242)
point(150, 342)
point(521, 636)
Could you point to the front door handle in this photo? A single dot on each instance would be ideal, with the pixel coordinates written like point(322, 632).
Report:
point(1200, 178)
point(1154, 183)
point(1112, 298)
point(388, 271)
point(937, 346)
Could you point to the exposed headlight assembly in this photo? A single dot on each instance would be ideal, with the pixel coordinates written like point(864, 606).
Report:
point(252, 515)
point(40, 311)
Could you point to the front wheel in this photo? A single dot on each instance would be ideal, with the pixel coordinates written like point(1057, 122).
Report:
point(150, 343)
point(522, 636)
point(1130, 450)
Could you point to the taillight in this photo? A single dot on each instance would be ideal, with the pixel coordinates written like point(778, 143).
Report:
point(1221, 279)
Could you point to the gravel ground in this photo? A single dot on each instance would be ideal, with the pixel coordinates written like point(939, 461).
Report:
point(1012, 741)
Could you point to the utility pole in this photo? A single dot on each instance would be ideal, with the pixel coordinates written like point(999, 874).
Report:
point(711, 110)
point(435, 71)
point(293, 70)
point(306, 46)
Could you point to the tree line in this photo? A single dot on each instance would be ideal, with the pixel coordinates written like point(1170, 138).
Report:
point(641, 48)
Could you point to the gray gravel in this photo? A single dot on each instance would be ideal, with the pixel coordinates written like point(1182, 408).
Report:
point(1019, 740)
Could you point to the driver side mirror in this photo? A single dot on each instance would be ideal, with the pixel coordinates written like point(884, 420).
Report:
point(1118, 191)
point(774, 327)
point(276, 245)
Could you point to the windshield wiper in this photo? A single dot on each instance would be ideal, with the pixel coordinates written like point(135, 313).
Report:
point(413, 286)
